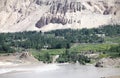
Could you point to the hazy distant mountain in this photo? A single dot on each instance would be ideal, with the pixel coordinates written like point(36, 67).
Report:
point(45, 15)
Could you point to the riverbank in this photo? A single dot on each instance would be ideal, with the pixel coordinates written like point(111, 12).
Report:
point(26, 58)
point(114, 77)
point(27, 68)
point(11, 59)
point(58, 71)
point(108, 62)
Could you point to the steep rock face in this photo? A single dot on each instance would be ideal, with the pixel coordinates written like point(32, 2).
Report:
point(94, 12)
point(45, 20)
point(57, 13)
point(45, 15)
point(12, 10)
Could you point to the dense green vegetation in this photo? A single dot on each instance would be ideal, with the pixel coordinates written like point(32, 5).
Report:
point(94, 35)
point(45, 45)
point(45, 57)
point(64, 56)
point(74, 53)
point(114, 51)
point(113, 39)
point(59, 38)
point(72, 57)
point(4, 47)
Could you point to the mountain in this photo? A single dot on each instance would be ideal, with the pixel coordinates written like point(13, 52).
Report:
point(46, 15)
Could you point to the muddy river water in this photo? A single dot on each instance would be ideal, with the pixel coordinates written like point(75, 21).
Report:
point(58, 71)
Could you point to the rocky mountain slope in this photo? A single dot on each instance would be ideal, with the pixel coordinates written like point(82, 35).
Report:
point(45, 15)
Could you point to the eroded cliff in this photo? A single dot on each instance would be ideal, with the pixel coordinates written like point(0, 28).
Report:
point(45, 15)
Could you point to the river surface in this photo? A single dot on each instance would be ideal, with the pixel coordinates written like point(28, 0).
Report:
point(58, 71)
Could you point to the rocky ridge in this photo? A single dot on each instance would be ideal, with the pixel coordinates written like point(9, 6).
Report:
point(46, 15)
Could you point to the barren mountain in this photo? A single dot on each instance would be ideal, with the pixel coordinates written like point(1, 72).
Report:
point(46, 15)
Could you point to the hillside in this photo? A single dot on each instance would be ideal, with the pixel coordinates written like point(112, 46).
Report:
point(46, 15)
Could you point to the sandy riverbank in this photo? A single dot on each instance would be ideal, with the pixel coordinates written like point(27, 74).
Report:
point(25, 62)
point(13, 59)
point(58, 71)
point(27, 68)
point(114, 77)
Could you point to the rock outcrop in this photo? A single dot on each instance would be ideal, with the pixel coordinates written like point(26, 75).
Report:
point(64, 12)
point(19, 58)
point(45, 15)
point(27, 57)
point(108, 62)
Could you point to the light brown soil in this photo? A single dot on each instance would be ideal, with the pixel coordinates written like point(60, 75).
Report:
point(18, 58)
point(109, 62)
point(114, 77)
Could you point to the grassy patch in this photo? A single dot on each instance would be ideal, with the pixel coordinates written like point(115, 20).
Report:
point(78, 48)
point(42, 54)
point(114, 54)
point(50, 51)
point(53, 51)
point(103, 56)
point(92, 47)
point(115, 39)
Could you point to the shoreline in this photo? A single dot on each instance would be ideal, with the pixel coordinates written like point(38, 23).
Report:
point(113, 77)
point(28, 68)
point(46, 68)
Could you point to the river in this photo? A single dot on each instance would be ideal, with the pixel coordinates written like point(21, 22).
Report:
point(58, 71)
